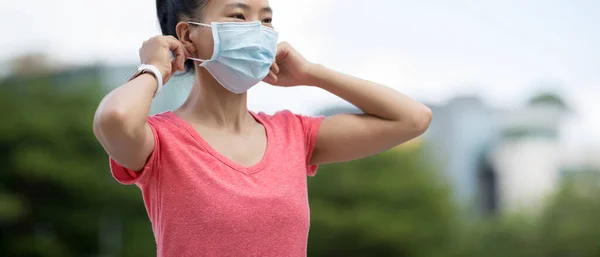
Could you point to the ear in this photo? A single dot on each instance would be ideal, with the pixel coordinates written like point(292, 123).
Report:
point(184, 31)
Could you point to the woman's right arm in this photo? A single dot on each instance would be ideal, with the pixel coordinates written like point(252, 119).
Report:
point(120, 122)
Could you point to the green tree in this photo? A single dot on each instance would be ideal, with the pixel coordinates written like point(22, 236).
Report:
point(392, 204)
point(500, 236)
point(57, 197)
point(570, 225)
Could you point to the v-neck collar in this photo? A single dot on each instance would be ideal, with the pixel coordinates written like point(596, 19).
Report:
point(243, 169)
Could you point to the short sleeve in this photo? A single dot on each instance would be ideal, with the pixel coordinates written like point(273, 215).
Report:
point(129, 177)
point(310, 128)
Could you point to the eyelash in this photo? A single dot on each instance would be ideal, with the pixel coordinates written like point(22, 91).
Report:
point(242, 17)
point(238, 16)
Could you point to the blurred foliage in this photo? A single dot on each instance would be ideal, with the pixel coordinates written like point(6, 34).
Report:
point(391, 204)
point(548, 98)
point(57, 197)
point(568, 226)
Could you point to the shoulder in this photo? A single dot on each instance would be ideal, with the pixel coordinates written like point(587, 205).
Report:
point(161, 118)
point(165, 120)
point(286, 118)
point(167, 124)
point(279, 117)
point(292, 124)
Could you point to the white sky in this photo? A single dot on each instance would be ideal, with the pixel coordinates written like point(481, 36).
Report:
point(501, 50)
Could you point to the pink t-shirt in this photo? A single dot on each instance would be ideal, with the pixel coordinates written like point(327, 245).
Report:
point(201, 203)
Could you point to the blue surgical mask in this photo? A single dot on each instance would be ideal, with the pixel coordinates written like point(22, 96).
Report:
point(243, 53)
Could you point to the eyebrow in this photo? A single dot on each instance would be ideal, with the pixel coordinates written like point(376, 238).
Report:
point(247, 7)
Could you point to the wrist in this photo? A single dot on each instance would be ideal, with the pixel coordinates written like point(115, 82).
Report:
point(150, 78)
point(314, 74)
point(164, 71)
point(148, 82)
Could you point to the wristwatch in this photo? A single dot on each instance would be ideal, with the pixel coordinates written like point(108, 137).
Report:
point(147, 68)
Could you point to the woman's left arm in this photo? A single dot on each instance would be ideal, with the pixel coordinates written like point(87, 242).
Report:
point(390, 118)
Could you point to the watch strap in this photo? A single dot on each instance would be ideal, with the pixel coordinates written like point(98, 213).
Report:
point(148, 68)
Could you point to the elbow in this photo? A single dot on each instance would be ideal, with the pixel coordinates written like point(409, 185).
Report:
point(103, 119)
point(419, 121)
point(423, 120)
point(107, 121)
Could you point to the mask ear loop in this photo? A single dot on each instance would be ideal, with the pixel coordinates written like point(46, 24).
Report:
point(195, 59)
point(199, 24)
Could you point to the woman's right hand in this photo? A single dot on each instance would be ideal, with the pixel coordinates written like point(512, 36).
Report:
point(157, 51)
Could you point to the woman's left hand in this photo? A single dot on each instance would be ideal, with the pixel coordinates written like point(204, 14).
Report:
point(290, 68)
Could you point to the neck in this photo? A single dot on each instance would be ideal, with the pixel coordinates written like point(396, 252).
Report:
point(211, 104)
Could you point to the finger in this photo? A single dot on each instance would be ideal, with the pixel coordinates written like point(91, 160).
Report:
point(174, 66)
point(281, 51)
point(271, 78)
point(178, 50)
point(268, 78)
point(275, 68)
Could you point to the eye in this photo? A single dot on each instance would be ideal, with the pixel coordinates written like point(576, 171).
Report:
point(238, 16)
point(268, 20)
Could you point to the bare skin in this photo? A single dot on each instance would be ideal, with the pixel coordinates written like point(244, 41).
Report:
point(222, 118)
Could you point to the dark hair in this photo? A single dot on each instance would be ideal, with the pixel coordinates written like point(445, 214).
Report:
point(171, 12)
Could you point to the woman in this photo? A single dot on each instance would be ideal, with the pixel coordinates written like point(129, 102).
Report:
point(217, 179)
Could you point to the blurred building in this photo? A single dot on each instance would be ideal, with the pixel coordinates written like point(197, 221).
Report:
point(498, 160)
point(460, 136)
